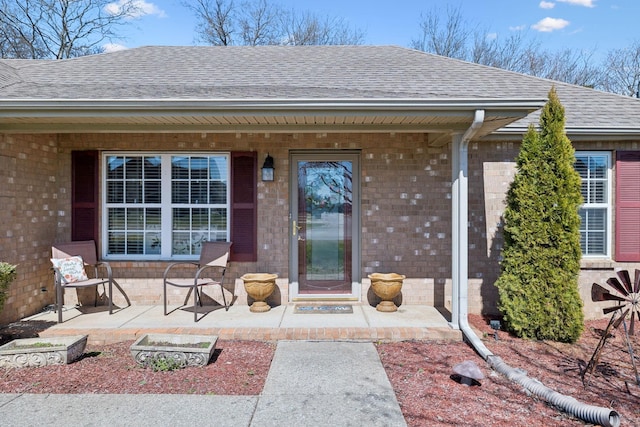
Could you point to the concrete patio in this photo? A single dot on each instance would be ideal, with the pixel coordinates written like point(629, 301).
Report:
point(280, 323)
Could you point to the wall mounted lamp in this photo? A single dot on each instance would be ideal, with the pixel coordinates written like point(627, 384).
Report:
point(267, 169)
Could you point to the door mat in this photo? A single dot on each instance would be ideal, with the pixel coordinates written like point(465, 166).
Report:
point(323, 309)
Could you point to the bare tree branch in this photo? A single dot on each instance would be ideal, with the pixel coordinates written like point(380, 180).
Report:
point(309, 29)
point(215, 20)
point(449, 38)
point(623, 70)
point(60, 28)
point(573, 67)
point(258, 22)
point(456, 38)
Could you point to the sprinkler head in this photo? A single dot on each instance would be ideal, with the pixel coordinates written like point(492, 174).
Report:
point(495, 325)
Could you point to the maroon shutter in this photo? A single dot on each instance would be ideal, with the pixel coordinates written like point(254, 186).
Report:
point(244, 202)
point(84, 195)
point(628, 206)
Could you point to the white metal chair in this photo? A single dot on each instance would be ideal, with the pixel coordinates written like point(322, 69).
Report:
point(209, 270)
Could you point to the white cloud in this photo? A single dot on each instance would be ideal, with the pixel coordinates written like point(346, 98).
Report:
point(518, 28)
point(547, 5)
point(548, 25)
point(149, 8)
point(139, 8)
point(113, 47)
point(492, 36)
point(585, 3)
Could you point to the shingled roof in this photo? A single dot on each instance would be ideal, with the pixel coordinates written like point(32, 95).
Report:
point(383, 74)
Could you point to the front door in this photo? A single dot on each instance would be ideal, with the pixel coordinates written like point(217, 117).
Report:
point(324, 226)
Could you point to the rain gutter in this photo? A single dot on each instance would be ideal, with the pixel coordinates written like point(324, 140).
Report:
point(575, 133)
point(21, 108)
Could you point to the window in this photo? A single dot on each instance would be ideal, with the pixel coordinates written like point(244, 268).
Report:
point(594, 169)
point(163, 206)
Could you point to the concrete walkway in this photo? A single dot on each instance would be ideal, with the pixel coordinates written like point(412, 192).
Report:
point(327, 384)
point(325, 372)
point(309, 384)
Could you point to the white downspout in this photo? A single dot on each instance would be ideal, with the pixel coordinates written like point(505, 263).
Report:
point(460, 290)
point(460, 235)
point(459, 232)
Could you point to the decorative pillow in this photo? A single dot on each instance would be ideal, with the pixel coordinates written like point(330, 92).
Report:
point(72, 269)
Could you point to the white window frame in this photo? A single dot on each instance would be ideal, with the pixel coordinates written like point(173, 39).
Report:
point(166, 205)
point(607, 205)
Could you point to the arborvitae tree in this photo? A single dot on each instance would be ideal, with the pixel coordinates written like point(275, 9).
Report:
point(538, 285)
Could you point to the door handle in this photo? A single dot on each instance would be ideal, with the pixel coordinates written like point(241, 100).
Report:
point(295, 228)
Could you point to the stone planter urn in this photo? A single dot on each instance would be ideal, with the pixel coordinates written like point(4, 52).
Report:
point(386, 286)
point(259, 287)
point(180, 349)
point(32, 352)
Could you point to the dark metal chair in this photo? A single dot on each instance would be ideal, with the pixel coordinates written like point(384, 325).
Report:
point(209, 270)
point(72, 273)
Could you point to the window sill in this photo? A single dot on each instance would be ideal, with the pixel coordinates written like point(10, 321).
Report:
point(597, 264)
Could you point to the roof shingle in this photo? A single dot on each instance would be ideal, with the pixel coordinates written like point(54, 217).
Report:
point(299, 72)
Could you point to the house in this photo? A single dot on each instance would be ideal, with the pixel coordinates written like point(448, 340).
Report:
point(385, 159)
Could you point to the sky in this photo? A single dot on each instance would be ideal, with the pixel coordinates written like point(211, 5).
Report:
point(592, 25)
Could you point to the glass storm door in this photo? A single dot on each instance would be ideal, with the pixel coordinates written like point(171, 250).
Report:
point(323, 223)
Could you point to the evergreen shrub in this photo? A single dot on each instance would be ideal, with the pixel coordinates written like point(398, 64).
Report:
point(7, 275)
point(538, 284)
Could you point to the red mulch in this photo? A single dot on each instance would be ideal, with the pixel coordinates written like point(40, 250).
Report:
point(420, 373)
point(236, 368)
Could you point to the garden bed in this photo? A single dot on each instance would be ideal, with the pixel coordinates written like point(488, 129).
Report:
point(420, 373)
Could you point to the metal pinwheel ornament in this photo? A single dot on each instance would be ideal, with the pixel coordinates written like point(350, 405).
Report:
point(626, 295)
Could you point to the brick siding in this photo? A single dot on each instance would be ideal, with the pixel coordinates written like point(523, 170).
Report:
point(30, 193)
point(405, 213)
